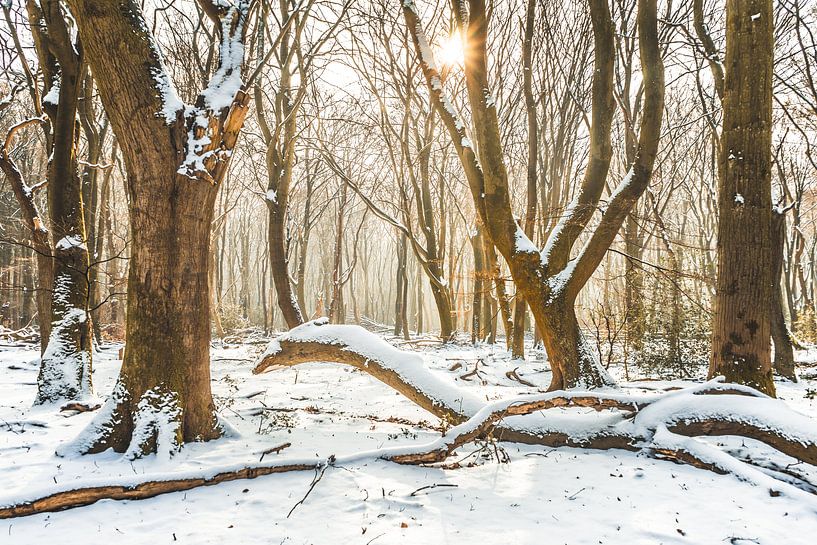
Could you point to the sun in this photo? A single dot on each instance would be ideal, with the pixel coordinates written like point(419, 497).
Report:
point(450, 51)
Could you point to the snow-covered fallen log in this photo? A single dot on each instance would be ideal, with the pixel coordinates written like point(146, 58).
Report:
point(709, 409)
point(662, 425)
point(658, 440)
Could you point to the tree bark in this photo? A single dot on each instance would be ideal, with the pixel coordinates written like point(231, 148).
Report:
point(741, 350)
point(163, 391)
point(65, 368)
point(781, 336)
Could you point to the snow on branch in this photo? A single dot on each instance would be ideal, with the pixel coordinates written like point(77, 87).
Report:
point(209, 138)
point(226, 82)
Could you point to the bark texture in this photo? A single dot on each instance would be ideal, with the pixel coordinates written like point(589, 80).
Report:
point(65, 368)
point(741, 350)
point(163, 393)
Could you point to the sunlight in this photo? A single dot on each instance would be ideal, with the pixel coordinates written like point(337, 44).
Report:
point(450, 51)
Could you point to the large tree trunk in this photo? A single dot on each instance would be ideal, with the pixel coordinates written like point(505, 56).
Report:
point(741, 350)
point(572, 360)
point(162, 397)
point(168, 313)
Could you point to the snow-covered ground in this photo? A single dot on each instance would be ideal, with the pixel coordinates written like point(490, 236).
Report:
point(542, 495)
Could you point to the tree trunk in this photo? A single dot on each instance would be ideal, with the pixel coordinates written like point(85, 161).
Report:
point(303, 245)
point(501, 301)
point(783, 349)
point(279, 265)
point(477, 312)
point(400, 312)
point(214, 299)
point(741, 350)
point(168, 316)
point(633, 285)
point(162, 397)
point(336, 303)
point(65, 368)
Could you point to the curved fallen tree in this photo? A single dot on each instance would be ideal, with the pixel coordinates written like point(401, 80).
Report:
point(709, 409)
point(663, 425)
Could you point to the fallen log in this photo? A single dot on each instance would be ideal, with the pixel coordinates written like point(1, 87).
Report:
point(68, 499)
point(663, 425)
point(690, 412)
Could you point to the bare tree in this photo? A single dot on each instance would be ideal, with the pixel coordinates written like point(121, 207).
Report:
point(175, 156)
point(550, 280)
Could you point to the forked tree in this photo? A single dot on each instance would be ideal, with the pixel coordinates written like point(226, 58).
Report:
point(175, 156)
point(551, 279)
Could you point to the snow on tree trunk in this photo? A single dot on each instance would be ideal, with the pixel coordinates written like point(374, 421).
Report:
point(175, 156)
point(65, 369)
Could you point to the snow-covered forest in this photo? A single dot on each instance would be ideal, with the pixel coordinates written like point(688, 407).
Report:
point(408, 271)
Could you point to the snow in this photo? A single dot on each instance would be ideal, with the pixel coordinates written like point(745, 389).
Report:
point(53, 95)
point(226, 82)
point(171, 103)
point(65, 376)
point(524, 245)
point(489, 99)
point(70, 241)
point(219, 94)
point(426, 53)
point(410, 367)
point(575, 496)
